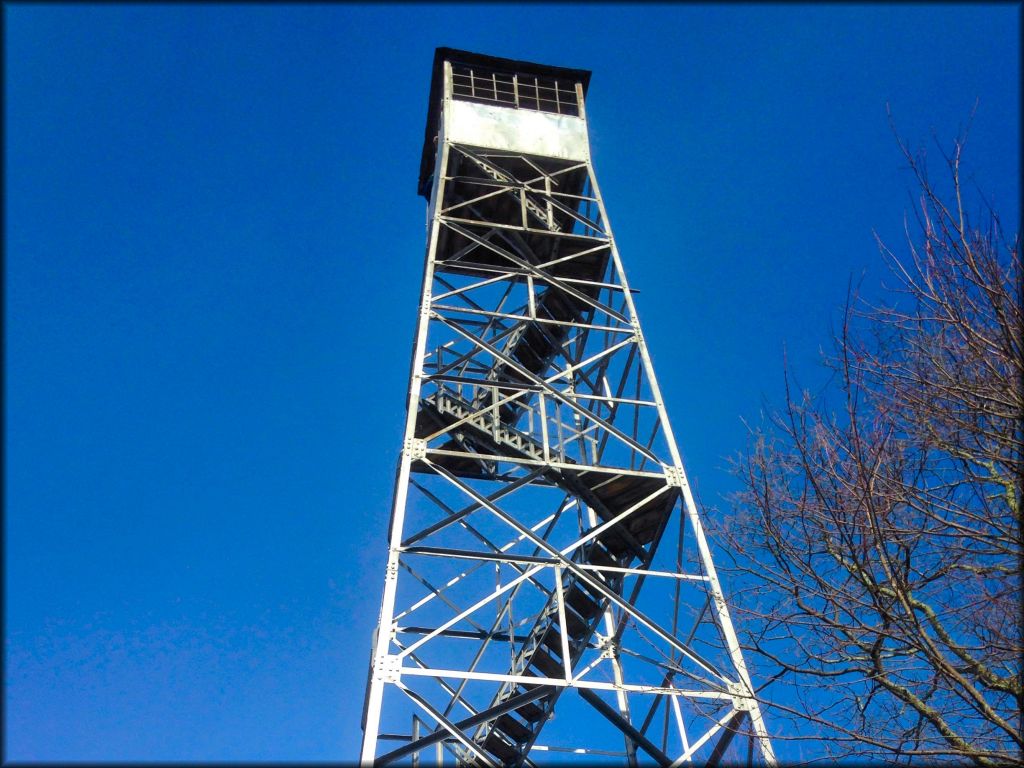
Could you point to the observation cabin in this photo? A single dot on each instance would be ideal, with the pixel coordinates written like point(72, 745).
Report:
point(504, 104)
point(532, 118)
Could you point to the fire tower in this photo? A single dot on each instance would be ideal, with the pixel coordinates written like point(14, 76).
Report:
point(549, 590)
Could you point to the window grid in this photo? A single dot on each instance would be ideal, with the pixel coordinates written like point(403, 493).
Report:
point(542, 94)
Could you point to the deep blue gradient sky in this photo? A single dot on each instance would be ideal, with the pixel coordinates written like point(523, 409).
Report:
point(212, 255)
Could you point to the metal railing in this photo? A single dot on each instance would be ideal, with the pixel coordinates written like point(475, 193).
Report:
point(511, 89)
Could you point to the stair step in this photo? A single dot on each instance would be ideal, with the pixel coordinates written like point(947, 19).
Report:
point(599, 556)
point(553, 639)
point(543, 662)
point(577, 628)
point(501, 749)
point(590, 590)
point(581, 603)
point(530, 712)
point(528, 686)
point(526, 356)
point(512, 728)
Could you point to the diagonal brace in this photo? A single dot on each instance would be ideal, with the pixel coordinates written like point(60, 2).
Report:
point(626, 727)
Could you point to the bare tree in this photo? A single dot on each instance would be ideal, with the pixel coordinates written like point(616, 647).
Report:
point(877, 538)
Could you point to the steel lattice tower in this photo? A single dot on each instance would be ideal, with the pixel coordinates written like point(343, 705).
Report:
point(540, 486)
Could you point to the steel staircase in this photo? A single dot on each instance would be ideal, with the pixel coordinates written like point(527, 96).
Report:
point(491, 431)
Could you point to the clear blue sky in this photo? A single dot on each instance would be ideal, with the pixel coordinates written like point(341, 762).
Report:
point(212, 253)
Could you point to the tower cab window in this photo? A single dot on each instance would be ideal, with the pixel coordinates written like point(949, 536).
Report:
point(513, 89)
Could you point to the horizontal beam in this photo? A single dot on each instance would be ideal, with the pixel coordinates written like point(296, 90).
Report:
point(607, 469)
point(463, 634)
point(540, 320)
point(563, 683)
point(466, 554)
